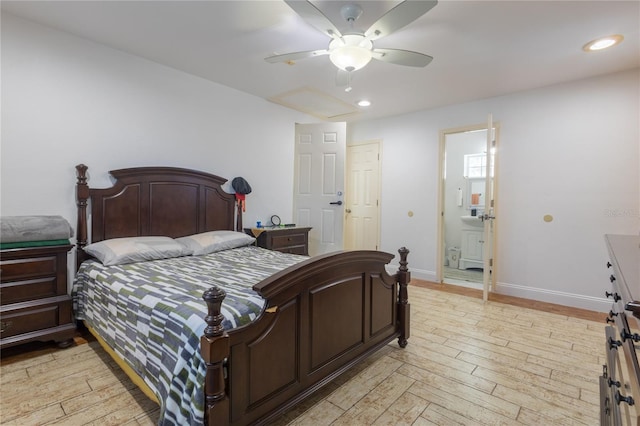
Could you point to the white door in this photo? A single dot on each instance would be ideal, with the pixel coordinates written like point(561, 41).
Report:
point(362, 211)
point(319, 184)
point(488, 276)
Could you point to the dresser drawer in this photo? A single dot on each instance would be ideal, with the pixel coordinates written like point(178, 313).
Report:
point(23, 318)
point(606, 414)
point(39, 288)
point(28, 268)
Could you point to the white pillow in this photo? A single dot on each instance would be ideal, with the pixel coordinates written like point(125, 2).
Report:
point(119, 251)
point(213, 241)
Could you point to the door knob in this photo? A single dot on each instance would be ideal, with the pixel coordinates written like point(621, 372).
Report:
point(336, 203)
point(348, 210)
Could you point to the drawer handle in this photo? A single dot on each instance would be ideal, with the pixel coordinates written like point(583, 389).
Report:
point(616, 296)
point(608, 264)
point(612, 278)
point(624, 334)
point(613, 382)
point(613, 344)
point(619, 398)
point(5, 325)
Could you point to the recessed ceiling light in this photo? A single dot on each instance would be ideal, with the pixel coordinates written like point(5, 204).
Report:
point(602, 43)
point(364, 103)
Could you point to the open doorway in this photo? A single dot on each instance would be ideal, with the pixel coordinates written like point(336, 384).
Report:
point(467, 206)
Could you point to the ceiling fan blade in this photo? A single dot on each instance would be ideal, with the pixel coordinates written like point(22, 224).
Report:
point(398, 17)
point(314, 17)
point(402, 57)
point(295, 56)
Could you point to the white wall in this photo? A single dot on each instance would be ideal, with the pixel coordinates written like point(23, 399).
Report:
point(66, 101)
point(569, 150)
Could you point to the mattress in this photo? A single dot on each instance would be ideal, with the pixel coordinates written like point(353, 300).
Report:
point(152, 315)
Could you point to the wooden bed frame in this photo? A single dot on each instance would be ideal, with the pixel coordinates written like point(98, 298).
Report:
point(321, 317)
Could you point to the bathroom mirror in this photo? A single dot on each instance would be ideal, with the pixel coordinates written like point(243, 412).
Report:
point(475, 193)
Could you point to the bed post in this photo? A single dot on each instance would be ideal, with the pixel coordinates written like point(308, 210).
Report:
point(82, 195)
point(239, 218)
point(403, 276)
point(214, 347)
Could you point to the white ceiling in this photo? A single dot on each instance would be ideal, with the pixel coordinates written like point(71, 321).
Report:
point(481, 48)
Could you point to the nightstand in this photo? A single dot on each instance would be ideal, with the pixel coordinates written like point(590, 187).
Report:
point(34, 303)
point(287, 240)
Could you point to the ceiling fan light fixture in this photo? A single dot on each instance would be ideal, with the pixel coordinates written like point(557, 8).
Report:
point(603, 43)
point(350, 53)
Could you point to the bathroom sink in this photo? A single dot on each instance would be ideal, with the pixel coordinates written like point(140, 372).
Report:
point(473, 221)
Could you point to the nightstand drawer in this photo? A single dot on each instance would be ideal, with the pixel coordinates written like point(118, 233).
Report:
point(39, 288)
point(18, 269)
point(280, 241)
point(293, 250)
point(46, 314)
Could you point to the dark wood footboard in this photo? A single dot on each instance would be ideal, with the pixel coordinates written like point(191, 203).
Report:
point(322, 316)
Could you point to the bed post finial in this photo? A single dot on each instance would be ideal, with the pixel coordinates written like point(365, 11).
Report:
point(82, 195)
point(214, 347)
point(403, 276)
point(214, 297)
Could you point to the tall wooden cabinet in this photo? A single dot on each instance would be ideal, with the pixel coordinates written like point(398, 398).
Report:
point(34, 303)
point(620, 380)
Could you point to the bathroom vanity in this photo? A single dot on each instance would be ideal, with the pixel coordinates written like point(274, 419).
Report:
point(472, 243)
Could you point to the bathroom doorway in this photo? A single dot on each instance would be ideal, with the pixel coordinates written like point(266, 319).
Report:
point(467, 206)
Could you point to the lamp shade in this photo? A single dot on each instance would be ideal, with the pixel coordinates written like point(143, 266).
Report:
point(351, 52)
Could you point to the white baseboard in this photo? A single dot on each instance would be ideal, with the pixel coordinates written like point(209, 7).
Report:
point(597, 304)
point(420, 274)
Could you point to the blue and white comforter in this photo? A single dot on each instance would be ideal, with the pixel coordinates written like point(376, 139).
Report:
point(152, 315)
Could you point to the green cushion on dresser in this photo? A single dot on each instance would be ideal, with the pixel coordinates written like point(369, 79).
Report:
point(25, 244)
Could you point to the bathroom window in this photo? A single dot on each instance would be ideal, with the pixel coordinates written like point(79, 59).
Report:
point(475, 165)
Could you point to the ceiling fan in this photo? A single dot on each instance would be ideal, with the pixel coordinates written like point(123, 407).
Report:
point(354, 49)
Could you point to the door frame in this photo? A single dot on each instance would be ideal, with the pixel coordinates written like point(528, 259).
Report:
point(440, 251)
point(347, 167)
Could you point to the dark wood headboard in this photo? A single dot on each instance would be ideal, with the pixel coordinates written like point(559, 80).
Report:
point(144, 201)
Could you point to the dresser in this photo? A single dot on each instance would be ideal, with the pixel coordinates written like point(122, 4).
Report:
point(34, 304)
point(285, 239)
point(620, 380)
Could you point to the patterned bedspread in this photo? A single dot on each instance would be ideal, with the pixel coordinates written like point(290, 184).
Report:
point(152, 314)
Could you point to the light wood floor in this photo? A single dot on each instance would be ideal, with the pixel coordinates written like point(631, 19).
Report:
point(467, 362)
